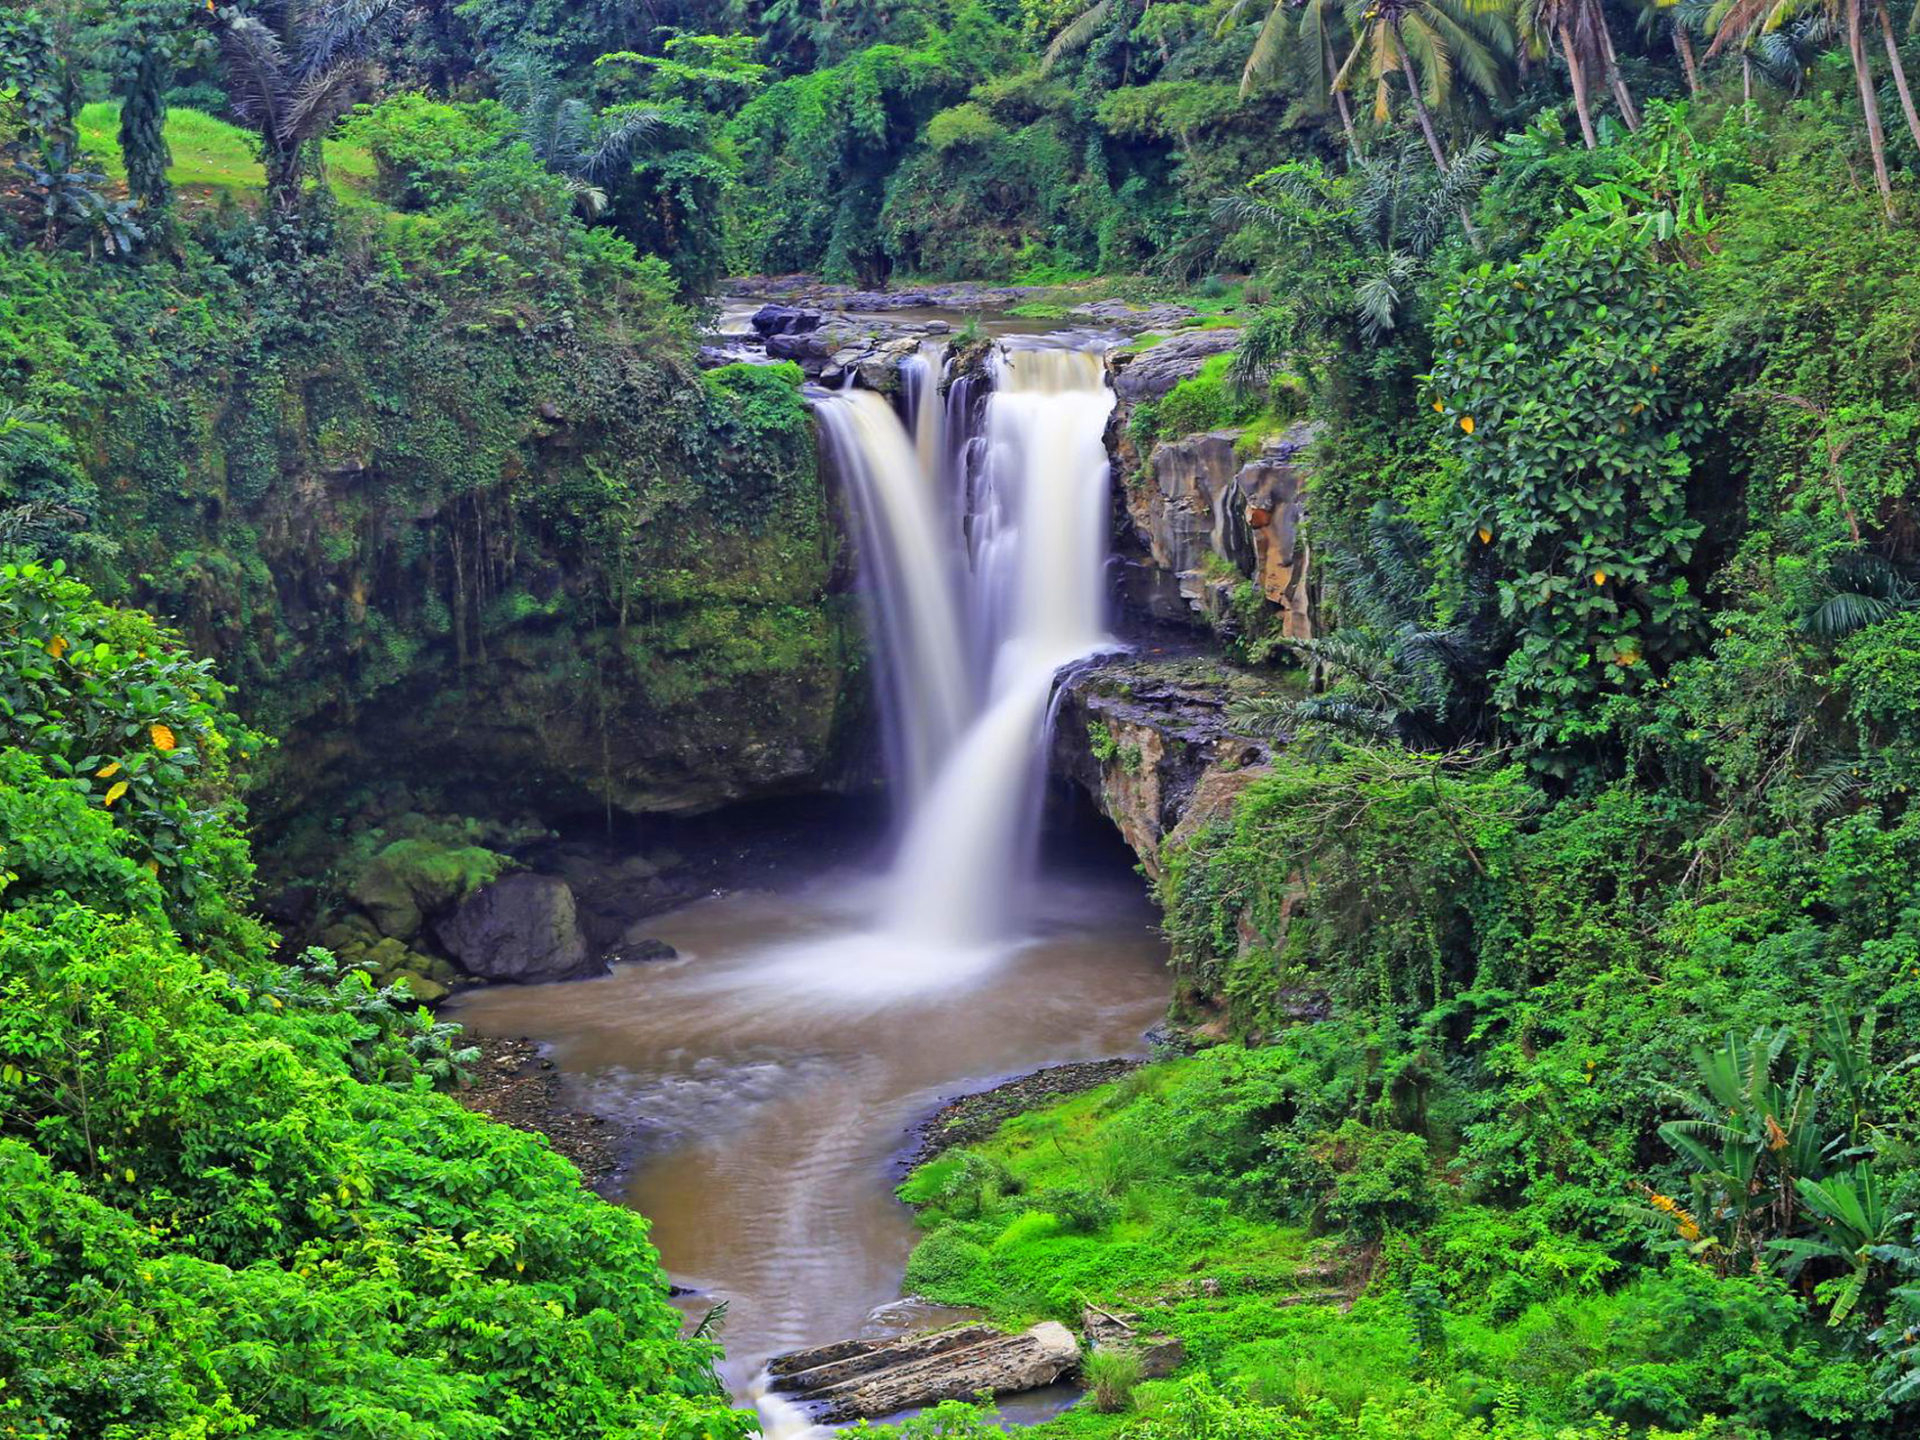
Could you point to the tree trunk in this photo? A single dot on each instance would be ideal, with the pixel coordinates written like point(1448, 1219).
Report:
point(1684, 45)
point(1339, 96)
point(1420, 107)
point(1869, 102)
point(1746, 79)
point(1622, 96)
point(1899, 72)
point(1433, 139)
point(1577, 73)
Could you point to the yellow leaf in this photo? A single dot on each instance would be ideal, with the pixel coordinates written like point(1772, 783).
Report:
point(1486, 536)
point(153, 868)
point(1599, 577)
point(1466, 423)
point(107, 771)
point(1439, 406)
point(129, 1174)
point(162, 737)
point(115, 793)
point(57, 646)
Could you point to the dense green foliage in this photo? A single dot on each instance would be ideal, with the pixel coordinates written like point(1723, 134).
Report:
point(230, 1202)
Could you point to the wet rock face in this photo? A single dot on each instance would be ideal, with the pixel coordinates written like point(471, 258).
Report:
point(523, 928)
point(1151, 743)
point(1212, 517)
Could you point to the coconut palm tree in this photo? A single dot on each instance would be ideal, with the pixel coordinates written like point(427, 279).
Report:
point(1320, 22)
point(1424, 43)
point(1739, 21)
point(1578, 29)
point(293, 68)
point(1680, 20)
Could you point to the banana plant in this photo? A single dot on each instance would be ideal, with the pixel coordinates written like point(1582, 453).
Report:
point(1753, 1133)
point(1858, 1229)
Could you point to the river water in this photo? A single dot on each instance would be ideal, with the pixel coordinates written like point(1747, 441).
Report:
point(776, 1067)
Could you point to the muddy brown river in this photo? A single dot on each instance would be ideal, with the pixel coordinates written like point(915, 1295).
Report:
point(776, 1067)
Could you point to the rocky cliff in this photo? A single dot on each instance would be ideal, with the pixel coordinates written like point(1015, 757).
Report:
point(1150, 740)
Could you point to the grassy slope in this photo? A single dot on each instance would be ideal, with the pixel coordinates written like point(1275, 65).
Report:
point(212, 159)
point(1197, 1266)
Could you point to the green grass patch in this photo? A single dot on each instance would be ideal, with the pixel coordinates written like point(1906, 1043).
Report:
point(212, 158)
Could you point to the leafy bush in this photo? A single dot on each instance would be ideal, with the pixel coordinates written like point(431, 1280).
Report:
point(1559, 381)
point(117, 713)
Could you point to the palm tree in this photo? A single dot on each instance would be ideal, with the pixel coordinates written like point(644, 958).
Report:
point(1319, 21)
point(1579, 29)
point(1899, 69)
point(569, 139)
point(143, 48)
point(1424, 42)
point(1737, 22)
point(1383, 220)
point(293, 68)
point(1678, 18)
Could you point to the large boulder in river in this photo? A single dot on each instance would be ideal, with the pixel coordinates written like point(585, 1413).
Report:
point(523, 928)
point(411, 880)
point(785, 320)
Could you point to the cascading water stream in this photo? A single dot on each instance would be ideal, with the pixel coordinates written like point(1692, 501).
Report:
point(1038, 582)
point(913, 609)
point(1016, 592)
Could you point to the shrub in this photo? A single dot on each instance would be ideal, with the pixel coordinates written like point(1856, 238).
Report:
point(1111, 1376)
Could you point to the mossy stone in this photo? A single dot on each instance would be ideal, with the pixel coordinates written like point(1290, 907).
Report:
point(412, 879)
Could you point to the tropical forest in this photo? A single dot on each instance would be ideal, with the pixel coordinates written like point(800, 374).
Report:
point(935, 719)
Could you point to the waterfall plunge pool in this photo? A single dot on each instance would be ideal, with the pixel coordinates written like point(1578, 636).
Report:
point(775, 1083)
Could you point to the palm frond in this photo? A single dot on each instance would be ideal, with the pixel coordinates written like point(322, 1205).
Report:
point(256, 72)
point(1268, 47)
point(319, 100)
point(1077, 35)
point(346, 27)
point(617, 144)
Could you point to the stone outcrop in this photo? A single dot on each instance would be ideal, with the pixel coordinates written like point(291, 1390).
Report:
point(1211, 516)
point(1150, 373)
point(865, 1379)
point(1109, 1334)
point(1151, 743)
point(524, 929)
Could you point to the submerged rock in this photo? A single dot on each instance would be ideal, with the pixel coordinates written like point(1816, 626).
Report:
point(631, 952)
point(524, 928)
point(865, 1379)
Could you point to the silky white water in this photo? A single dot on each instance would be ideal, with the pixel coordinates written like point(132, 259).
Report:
point(913, 610)
point(1002, 573)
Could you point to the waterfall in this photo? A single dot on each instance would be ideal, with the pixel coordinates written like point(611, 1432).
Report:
point(994, 552)
point(912, 608)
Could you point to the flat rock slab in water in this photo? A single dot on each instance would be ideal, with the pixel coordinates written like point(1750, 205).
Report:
point(865, 1379)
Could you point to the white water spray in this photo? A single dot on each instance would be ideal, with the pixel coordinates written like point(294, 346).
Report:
point(913, 609)
point(1016, 592)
